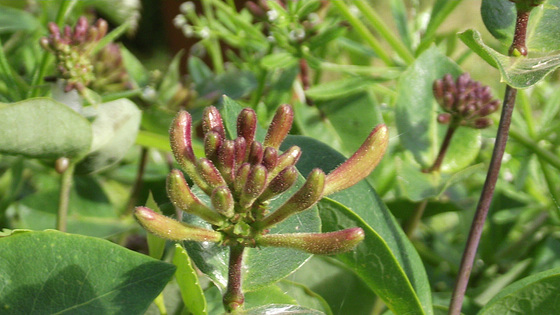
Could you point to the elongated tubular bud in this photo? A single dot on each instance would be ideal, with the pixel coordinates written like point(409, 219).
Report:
point(247, 125)
point(170, 229)
point(240, 151)
point(211, 177)
point(279, 127)
point(361, 163)
point(255, 185)
point(282, 182)
point(286, 159)
point(256, 153)
point(226, 160)
point(222, 201)
point(303, 199)
point(212, 121)
point(315, 243)
point(181, 143)
point(270, 158)
point(241, 178)
point(212, 144)
point(183, 198)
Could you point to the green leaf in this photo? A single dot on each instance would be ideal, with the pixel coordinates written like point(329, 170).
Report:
point(43, 128)
point(134, 67)
point(115, 126)
point(519, 72)
point(543, 31)
point(386, 253)
point(12, 20)
point(171, 81)
point(416, 112)
point(536, 294)
point(304, 296)
point(186, 276)
point(339, 88)
point(198, 70)
point(53, 273)
point(278, 60)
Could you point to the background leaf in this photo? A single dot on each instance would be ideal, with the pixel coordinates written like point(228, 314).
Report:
point(43, 128)
point(186, 276)
point(12, 20)
point(52, 272)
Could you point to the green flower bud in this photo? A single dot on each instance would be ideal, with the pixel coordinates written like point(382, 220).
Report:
point(286, 159)
point(303, 199)
point(315, 243)
point(212, 144)
point(222, 201)
point(241, 178)
point(282, 182)
point(279, 127)
point(170, 229)
point(182, 197)
point(211, 177)
point(361, 163)
point(255, 185)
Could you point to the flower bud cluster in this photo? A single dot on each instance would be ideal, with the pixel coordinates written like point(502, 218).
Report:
point(72, 49)
point(109, 70)
point(466, 102)
point(242, 175)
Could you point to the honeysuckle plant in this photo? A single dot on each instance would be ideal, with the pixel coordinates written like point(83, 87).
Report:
point(241, 176)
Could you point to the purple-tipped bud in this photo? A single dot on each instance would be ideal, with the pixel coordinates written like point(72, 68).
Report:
point(182, 197)
point(170, 229)
point(270, 158)
point(279, 184)
point(210, 175)
point(212, 144)
point(102, 28)
point(481, 123)
point(255, 9)
point(361, 163)
point(286, 159)
point(241, 178)
point(309, 194)
point(247, 125)
point(279, 127)
point(226, 160)
point(448, 101)
point(181, 141)
point(212, 121)
point(316, 243)
point(438, 91)
point(240, 151)
point(255, 185)
point(54, 30)
point(222, 201)
point(80, 30)
point(256, 153)
point(444, 118)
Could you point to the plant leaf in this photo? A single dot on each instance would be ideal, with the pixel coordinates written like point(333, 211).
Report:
point(52, 272)
point(519, 72)
point(386, 252)
point(115, 126)
point(536, 294)
point(43, 128)
point(416, 112)
point(12, 20)
point(187, 279)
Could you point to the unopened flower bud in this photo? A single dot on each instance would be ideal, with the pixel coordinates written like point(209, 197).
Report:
point(212, 144)
point(210, 175)
point(279, 127)
point(226, 160)
point(481, 123)
point(240, 151)
point(286, 159)
point(256, 153)
point(303, 199)
point(361, 163)
point(270, 158)
point(247, 125)
point(181, 142)
point(279, 184)
point(316, 243)
point(182, 197)
point(222, 201)
point(212, 121)
point(241, 178)
point(170, 229)
point(444, 118)
point(255, 185)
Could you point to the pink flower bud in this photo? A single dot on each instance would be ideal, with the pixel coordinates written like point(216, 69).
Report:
point(226, 160)
point(256, 153)
point(211, 177)
point(182, 197)
point(316, 243)
point(181, 143)
point(361, 163)
point(212, 121)
point(279, 127)
point(170, 229)
point(255, 185)
point(270, 158)
point(247, 125)
point(279, 184)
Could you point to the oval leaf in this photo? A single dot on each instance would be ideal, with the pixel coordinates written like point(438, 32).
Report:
point(519, 72)
point(43, 128)
point(536, 294)
point(385, 260)
point(115, 126)
point(187, 279)
point(52, 272)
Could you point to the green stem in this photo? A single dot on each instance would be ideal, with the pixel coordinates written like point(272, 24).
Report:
point(233, 298)
point(64, 197)
point(415, 219)
point(160, 304)
point(545, 155)
point(212, 43)
point(552, 187)
point(377, 23)
point(8, 75)
point(362, 30)
point(138, 181)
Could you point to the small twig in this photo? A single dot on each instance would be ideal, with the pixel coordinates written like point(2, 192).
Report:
point(443, 150)
point(64, 197)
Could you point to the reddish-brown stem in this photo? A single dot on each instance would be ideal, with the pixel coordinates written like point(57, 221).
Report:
point(444, 146)
point(233, 298)
point(519, 38)
point(483, 203)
